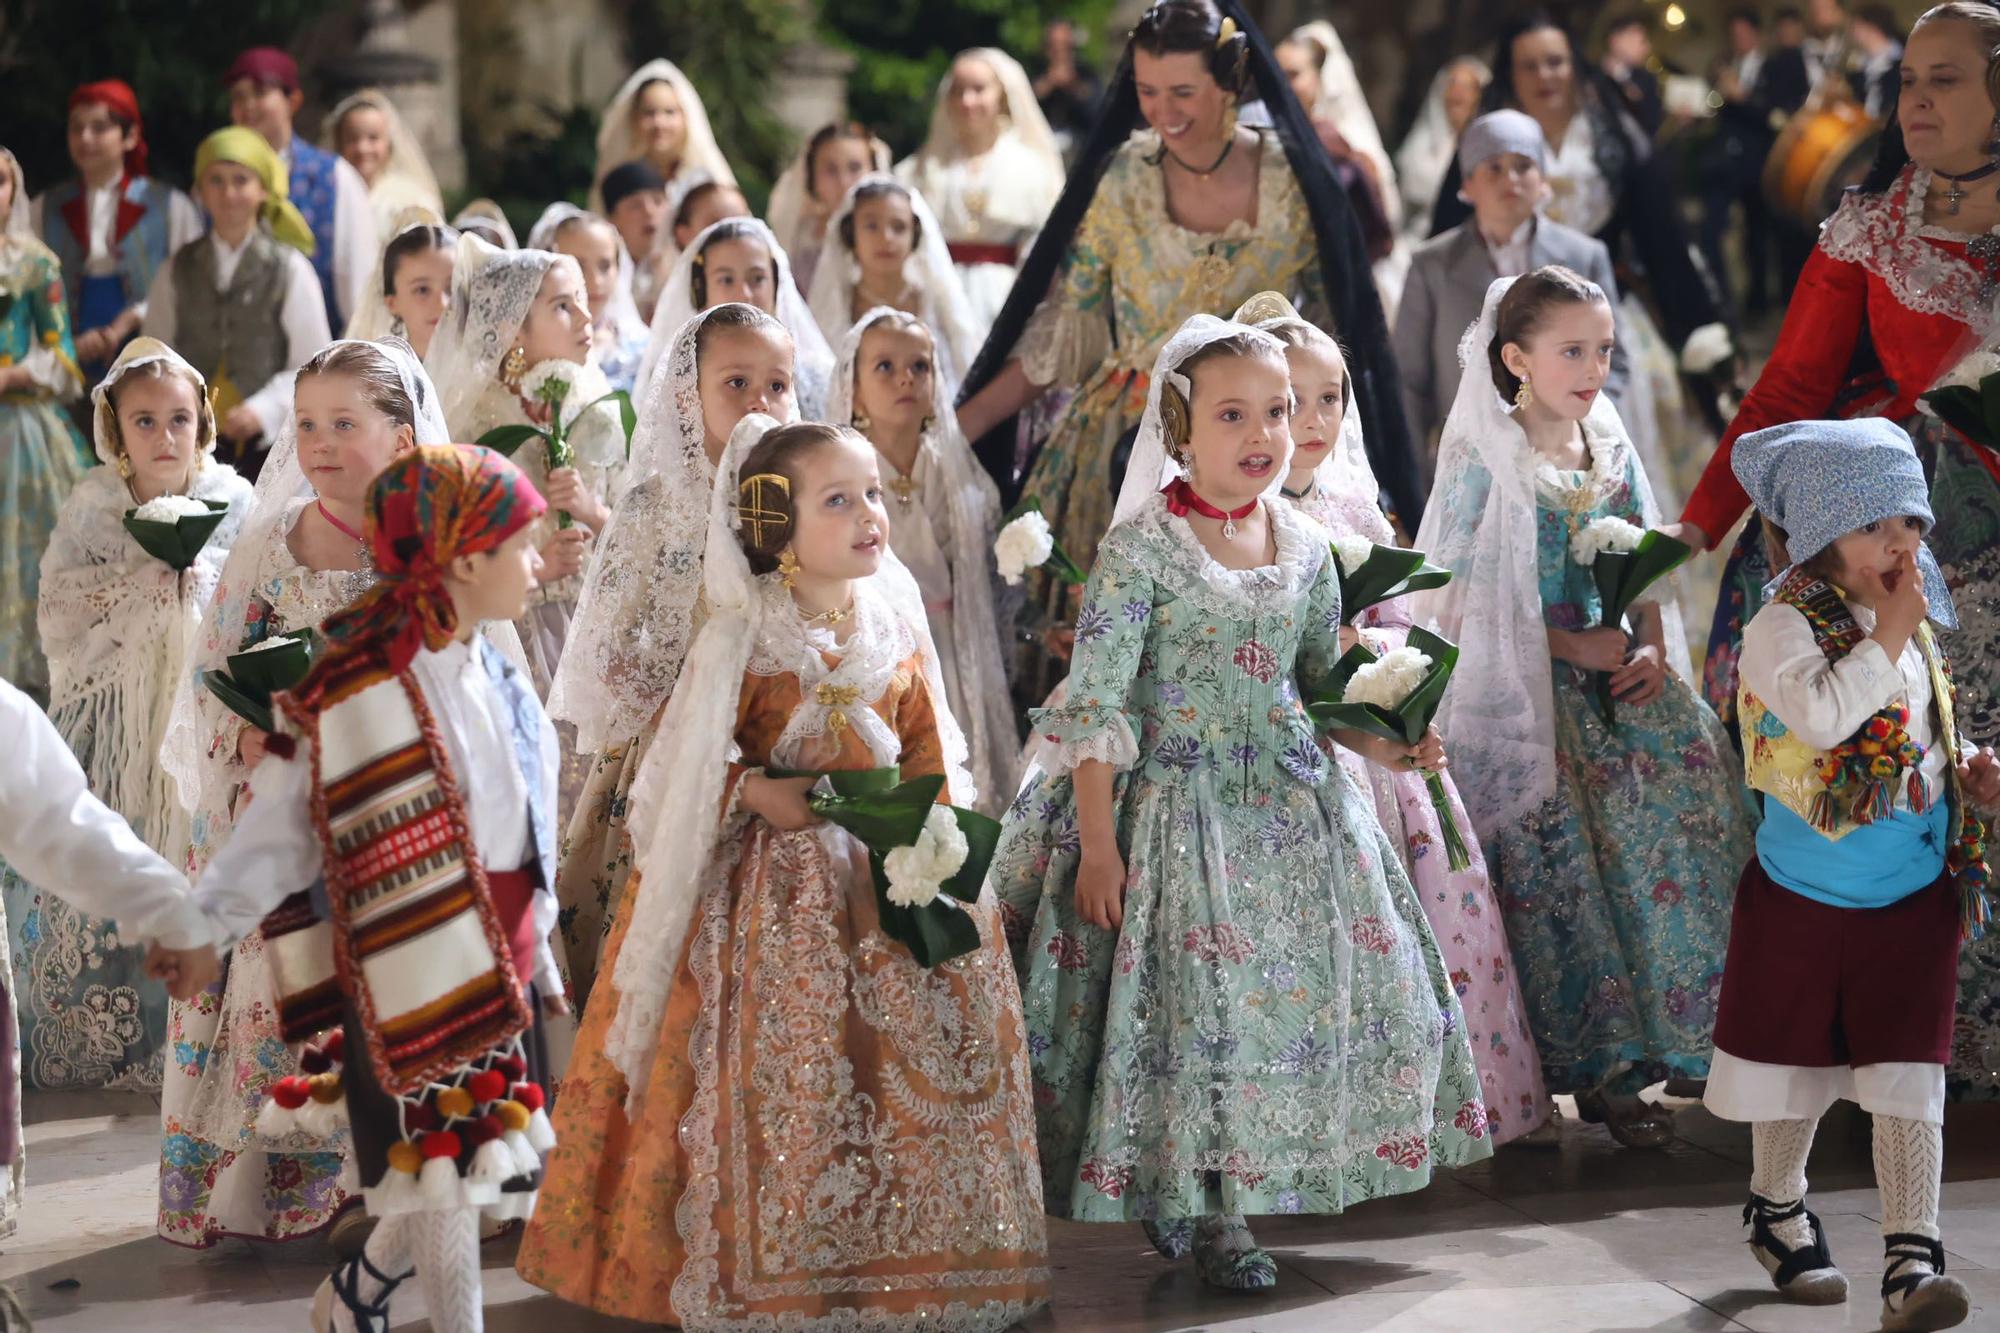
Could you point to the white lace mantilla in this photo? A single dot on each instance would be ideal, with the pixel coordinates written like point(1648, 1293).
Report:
point(1885, 234)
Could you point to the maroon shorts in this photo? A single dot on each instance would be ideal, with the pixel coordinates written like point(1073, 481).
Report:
point(1815, 985)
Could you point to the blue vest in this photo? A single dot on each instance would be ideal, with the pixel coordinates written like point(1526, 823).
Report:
point(314, 183)
point(140, 252)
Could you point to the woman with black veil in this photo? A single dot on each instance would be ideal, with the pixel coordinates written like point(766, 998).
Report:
point(1175, 206)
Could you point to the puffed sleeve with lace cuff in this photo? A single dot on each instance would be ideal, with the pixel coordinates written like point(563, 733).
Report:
point(1111, 629)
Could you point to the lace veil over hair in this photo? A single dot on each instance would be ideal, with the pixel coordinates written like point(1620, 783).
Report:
point(406, 180)
point(929, 269)
point(623, 313)
point(635, 618)
point(371, 318)
point(677, 796)
point(1499, 714)
point(1152, 466)
point(813, 367)
point(974, 503)
point(792, 204)
point(1024, 123)
point(491, 293)
point(617, 145)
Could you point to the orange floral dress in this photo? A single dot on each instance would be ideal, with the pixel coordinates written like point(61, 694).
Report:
point(831, 1135)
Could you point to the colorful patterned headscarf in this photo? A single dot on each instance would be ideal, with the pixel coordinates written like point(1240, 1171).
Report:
point(117, 97)
point(429, 507)
point(1820, 480)
point(247, 148)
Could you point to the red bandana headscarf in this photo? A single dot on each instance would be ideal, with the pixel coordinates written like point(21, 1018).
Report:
point(117, 97)
point(268, 66)
point(429, 507)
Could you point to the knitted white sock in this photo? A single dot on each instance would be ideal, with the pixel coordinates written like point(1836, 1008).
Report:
point(387, 1252)
point(445, 1246)
point(1909, 1172)
point(1778, 1152)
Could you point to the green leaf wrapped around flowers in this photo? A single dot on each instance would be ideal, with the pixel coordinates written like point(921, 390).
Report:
point(1621, 578)
point(1388, 572)
point(178, 541)
point(1404, 724)
point(884, 813)
point(1058, 563)
point(505, 440)
point(255, 676)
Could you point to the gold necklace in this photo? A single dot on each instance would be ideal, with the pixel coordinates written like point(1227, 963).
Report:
point(903, 487)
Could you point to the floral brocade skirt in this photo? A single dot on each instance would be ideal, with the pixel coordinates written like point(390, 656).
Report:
point(830, 1136)
point(41, 460)
point(1272, 1030)
point(1619, 933)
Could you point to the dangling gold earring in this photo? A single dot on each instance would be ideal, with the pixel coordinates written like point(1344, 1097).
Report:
point(125, 465)
point(788, 568)
point(1523, 395)
point(861, 421)
point(513, 366)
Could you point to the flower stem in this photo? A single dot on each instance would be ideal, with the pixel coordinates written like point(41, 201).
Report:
point(1457, 856)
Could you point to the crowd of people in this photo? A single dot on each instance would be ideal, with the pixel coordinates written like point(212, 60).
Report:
point(560, 643)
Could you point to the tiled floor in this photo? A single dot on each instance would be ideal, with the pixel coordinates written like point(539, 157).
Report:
point(1591, 1238)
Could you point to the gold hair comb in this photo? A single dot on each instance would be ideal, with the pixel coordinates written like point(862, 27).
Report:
point(1225, 32)
point(756, 511)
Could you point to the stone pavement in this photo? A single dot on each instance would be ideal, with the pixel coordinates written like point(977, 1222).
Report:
point(1589, 1239)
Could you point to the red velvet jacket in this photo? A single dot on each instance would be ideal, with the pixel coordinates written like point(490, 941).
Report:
point(1912, 292)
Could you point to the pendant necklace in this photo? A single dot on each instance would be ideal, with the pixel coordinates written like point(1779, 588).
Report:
point(1954, 192)
point(1227, 146)
point(345, 531)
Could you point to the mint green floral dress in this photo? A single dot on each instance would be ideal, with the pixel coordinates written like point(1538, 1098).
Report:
point(1618, 928)
point(1272, 1030)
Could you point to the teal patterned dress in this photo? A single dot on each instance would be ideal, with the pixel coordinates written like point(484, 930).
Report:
point(41, 454)
point(1617, 893)
point(1272, 1030)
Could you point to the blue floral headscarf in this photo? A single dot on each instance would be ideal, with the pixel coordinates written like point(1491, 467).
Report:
point(1820, 480)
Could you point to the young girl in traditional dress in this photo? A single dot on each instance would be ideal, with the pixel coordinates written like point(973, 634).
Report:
point(518, 319)
point(242, 304)
point(1843, 951)
point(619, 336)
point(1618, 932)
point(411, 290)
point(811, 188)
point(657, 115)
point(300, 558)
point(415, 928)
point(640, 605)
point(118, 625)
point(943, 513)
point(1234, 1003)
point(699, 1135)
point(368, 132)
point(1330, 480)
point(991, 170)
point(111, 225)
point(739, 259)
point(887, 250)
point(41, 455)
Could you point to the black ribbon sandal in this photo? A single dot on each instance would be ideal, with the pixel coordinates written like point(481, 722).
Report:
point(1805, 1274)
point(1930, 1300)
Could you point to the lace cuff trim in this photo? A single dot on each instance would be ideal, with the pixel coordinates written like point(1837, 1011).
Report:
point(1112, 743)
point(1061, 344)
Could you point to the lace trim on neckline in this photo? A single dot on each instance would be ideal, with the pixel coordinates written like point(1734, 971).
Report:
point(1203, 579)
point(1925, 267)
point(1604, 473)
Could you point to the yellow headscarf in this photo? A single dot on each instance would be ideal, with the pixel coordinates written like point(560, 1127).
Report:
point(247, 148)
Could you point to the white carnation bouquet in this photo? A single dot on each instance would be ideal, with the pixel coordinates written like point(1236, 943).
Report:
point(1371, 574)
point(1394, 697)
point(1026, 542)
point(1624, 560)
point(174, 528)
point(570, 389)
point(926, 858)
